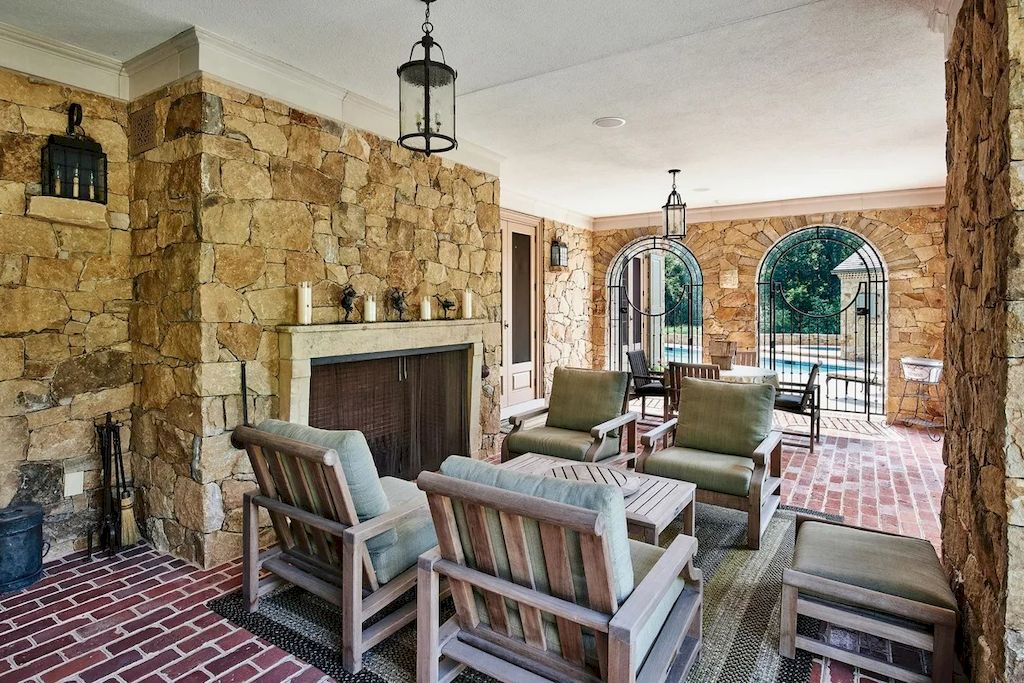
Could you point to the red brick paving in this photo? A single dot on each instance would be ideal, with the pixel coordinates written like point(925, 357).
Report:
point(140, 616)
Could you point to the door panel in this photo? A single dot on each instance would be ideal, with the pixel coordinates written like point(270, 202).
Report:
point(521, 362)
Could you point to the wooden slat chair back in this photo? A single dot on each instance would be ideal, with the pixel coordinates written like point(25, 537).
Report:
point(746, 357)
point(500, 589)
point(310, 478)
point(677, 371)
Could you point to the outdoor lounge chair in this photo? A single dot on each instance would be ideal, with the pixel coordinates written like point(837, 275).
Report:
point(343, 533)
point(674, 375)
point(645, 384)
point(546, 584)
point(723, 442)
point(803, 399)
point(583, 420)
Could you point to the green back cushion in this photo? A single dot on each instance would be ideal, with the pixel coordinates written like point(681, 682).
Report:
point(601, 498)
point(582, 399)
point(724, 418)
point(356, 461)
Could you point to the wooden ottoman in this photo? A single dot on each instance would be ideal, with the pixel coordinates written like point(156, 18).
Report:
point(886, 585)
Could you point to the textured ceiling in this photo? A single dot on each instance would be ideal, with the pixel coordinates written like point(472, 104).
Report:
point(755, 101)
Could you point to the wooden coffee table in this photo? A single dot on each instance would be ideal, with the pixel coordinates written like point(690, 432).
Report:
point(657, 503)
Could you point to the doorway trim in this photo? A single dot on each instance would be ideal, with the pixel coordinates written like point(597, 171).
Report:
point(509, 221)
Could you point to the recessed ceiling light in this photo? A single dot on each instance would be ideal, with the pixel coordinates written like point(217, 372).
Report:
point(701, 189)
point(610, 122)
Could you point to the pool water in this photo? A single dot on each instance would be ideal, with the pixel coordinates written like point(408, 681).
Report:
point(783, 365)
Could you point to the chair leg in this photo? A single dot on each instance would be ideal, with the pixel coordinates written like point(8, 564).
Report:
point(351, 607)
point(787, 629)
point(643, 407)
point(250, 555)
point(754, 522)
point(428, 650)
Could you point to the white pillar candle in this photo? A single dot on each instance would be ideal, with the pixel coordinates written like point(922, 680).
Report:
point(425, 308)
point(467, 305)
point(370, 310)
point(304, 303)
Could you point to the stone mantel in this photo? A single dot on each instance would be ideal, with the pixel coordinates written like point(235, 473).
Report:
point(299, 345)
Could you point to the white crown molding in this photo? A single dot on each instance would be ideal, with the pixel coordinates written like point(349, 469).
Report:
point(514, 201)
point(198, 50)
point(37, 55)
point(894, 199)
point(942, 19)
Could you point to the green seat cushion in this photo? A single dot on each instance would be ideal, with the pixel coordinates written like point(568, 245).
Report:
point(601, 498)
point(724, 418)
point(364, 486)
point(559, 443)
point(894, 565)
point(582, 399)
point(729, 474)
point(415, 531)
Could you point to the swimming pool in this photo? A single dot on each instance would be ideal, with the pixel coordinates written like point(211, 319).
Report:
point(788, 366)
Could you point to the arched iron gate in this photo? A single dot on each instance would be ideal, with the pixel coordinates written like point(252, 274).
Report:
point(822, 299)
point(655, 303)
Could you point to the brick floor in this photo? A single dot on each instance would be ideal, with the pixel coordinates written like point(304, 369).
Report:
point(140, 616)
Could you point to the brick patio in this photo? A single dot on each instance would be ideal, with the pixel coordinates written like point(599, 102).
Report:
point(141, 616)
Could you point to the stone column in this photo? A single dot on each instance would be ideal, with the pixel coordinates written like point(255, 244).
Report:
point(983, 504)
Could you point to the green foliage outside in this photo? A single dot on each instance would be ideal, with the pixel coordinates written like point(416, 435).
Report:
point(676, 293)
point(805, 276)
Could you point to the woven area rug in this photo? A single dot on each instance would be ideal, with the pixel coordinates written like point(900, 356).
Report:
point(742, 592)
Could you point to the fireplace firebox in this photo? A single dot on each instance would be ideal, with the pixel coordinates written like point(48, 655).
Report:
point(412, 406)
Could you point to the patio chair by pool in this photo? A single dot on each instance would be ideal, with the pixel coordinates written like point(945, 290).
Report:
point(803, 399)
point(748, 358)
point(676, 372)
point(583, 420)
point(723, 442)
point(645, 384)
point(547, 586)
point(343, 534)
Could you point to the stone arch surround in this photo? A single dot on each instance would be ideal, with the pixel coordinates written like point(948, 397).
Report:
point(730, 252)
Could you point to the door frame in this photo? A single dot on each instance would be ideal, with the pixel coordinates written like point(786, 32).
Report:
point(511, 219)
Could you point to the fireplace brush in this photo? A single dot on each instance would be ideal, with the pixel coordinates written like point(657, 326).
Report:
point(117, 526)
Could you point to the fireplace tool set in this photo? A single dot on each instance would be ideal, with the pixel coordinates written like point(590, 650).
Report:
point(117, 526)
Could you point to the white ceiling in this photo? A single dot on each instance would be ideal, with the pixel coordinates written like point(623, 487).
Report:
point(757, 101)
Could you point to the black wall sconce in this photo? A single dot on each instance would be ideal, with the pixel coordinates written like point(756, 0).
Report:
point(74, 165)
point(559, 254)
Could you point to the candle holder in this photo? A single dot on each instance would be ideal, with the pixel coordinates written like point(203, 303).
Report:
point(348, 301)
point(74, 165)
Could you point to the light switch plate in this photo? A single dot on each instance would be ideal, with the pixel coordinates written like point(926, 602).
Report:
point(74, 483)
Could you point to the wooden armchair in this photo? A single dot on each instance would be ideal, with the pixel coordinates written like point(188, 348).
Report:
point(746, 357)
point(674, 375)
point(343, 533)
point(803, 399)
point(645, 384)
point(723, 442)
point(547, 586)
point(583, 420)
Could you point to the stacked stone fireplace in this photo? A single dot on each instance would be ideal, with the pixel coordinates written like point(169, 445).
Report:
point(413, 388)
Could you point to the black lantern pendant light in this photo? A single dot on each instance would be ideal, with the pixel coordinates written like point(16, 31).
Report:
point(675, 211)
point(426, 96)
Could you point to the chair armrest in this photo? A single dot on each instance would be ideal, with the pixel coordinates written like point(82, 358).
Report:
point(764, 450)
point(359, 533)
point(519, 419)
point(601, 430)
point(633, 614)
point(648, 377)
point(661, 430)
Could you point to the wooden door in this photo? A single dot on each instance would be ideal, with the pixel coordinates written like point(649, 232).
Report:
point(521, 258)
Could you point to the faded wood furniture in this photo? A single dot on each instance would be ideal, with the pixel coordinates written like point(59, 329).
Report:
point(724, 444)
point(676, 372)
point(803, 399)
point(546, 585)
point(656, 504)
point(583, 420)
point(343, 534)
point(749, 374)
point(645, 384)
point(746, 357)
point(889, 586)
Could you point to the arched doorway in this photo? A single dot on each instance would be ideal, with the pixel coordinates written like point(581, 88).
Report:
point(822, 298)
point(655, 303)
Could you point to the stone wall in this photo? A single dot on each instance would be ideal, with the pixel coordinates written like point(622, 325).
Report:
point(567, 300)
point(730, 252)
point(983, 501)
point(242, 199)
point(65, 291)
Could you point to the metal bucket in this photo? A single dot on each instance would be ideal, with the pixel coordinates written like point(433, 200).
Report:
point(21, 546)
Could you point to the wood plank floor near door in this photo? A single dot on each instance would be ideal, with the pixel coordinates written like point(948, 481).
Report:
point(655, 504)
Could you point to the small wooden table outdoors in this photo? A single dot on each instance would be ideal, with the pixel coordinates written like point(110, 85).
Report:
point(749, 374)
point(657, 503)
